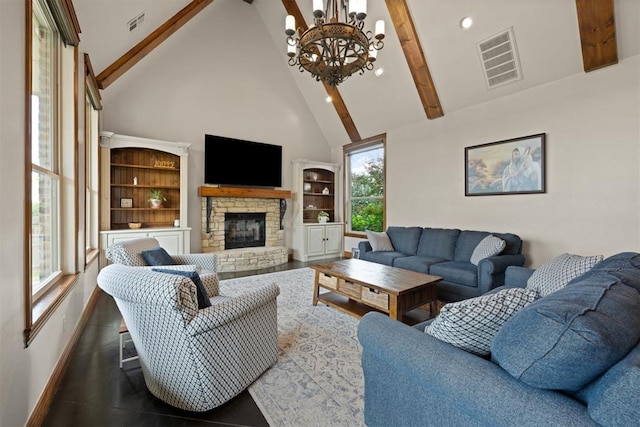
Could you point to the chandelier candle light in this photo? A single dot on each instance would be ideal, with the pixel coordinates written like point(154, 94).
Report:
point(335, 47)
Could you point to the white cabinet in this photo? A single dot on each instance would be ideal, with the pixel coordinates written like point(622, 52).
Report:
point(317, 241)
point(174, 240)
point(316, 188)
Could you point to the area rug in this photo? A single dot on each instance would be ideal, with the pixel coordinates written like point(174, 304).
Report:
point(317, 380)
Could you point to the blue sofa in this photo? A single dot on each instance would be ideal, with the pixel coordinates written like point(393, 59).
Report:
point(412, 378)
point(447, 253)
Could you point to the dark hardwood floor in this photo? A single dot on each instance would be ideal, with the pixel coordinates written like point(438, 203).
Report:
point(96, 392)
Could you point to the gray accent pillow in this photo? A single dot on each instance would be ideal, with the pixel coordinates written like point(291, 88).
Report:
point(557, 273)
point(489, 246)
point(471, 324)
point(379, 241)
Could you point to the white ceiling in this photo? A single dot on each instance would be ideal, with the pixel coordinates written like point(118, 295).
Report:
point(546, 33)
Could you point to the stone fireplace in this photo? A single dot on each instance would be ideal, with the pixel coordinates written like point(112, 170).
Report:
point(245, 206)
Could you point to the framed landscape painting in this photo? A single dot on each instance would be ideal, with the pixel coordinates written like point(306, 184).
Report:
point(514, 166)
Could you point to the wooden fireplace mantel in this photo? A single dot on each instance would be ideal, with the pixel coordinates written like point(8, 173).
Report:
point(258, 193)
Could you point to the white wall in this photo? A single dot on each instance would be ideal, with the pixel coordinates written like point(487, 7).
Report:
point(24, 372)
point(202, 81)
point(592, 126)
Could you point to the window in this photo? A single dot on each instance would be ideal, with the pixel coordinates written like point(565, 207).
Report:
point(365, 185)
point(45, 172)
point(50, 162)
point(91, 116)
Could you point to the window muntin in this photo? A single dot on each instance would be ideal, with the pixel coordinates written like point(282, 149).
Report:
point(365, 181)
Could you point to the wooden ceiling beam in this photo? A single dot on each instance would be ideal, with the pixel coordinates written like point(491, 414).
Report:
point(153, 40)
point(597, 24)
point(338, 103)
point(408, 36)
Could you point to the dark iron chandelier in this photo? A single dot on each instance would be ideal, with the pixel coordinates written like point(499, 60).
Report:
point(334, 48)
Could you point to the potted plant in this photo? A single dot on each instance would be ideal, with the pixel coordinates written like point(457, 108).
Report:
point(155, 198)
point(323, 217)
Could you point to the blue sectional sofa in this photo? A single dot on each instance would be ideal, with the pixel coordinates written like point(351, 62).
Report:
point(577, 352)
point(447, 253)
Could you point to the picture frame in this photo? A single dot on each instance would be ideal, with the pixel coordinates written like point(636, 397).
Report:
point(512, 166)
point(126, 202)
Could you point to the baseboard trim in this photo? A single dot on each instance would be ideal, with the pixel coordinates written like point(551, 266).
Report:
point(42, 407)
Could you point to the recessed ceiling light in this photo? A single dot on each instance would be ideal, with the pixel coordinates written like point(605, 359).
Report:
point(328, 100)
point(379, 71)
point(466, 23)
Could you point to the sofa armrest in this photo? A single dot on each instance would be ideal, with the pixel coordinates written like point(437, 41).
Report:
point(364, 247)
point(226, 310)
point(491, 270)
point(413, 375)
point(517, 276)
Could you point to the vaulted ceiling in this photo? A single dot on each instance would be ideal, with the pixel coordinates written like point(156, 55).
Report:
point(432, 67)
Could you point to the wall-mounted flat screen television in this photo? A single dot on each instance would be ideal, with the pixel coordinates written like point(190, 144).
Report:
point(230, 161)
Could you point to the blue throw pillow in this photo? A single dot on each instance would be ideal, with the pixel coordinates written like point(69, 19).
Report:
point(567, 339)
point(157, 256)
point(203, 298)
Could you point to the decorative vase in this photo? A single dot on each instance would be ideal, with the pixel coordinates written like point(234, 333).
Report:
point(322, 219)
point(155, 203)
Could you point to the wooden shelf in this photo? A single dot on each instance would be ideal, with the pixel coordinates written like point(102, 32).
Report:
point(155, 168)
point(145, 209)
point(145, 186)
point(321, 181)
point(147, 167)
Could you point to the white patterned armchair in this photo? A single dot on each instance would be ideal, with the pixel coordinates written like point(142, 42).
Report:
point(130, 253)
point(194, 359)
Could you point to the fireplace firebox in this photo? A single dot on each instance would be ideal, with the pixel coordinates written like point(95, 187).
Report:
point(244, 230)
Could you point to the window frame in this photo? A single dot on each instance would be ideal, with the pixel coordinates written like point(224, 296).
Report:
point(93, 103)
point(60, 16)
point(357, 147)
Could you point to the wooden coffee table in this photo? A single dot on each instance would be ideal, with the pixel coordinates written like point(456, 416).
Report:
point(357, 287)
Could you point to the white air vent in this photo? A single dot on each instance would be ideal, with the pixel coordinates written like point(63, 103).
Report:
point(499, 57)
point(136, 22)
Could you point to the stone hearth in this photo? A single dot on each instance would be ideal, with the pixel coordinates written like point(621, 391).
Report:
point(273, 253)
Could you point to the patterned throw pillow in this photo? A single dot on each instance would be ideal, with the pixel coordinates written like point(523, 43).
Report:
point(379, 241)
point(558, 272)
point(471, 324)
point(489, 246)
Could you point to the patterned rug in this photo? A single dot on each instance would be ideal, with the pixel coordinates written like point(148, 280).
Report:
point(317, 380)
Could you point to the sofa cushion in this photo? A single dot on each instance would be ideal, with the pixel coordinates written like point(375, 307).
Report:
point(567, 339)
point(379, 241)
point(488, 247)
point(463, 273)
point(381, 257)
point(612, 399)
point(438, 242)
point(466, 244)
point(624, 266)
point(420, 264)
point(158, 256)
point(558, 272)
point(405, 239)
point(471, 324)
point(201, 292)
